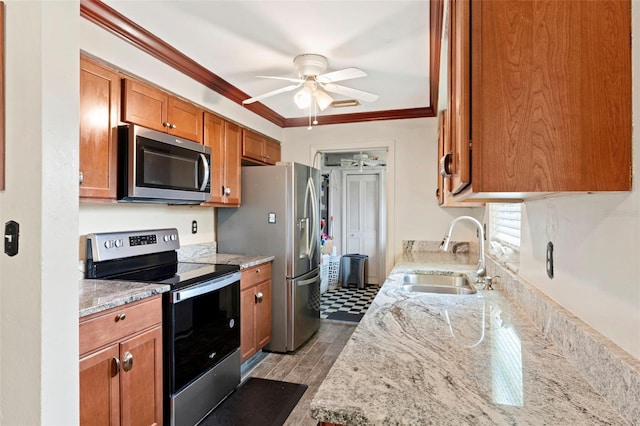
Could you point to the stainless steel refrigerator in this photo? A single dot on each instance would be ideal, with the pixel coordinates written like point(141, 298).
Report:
point(279, 216)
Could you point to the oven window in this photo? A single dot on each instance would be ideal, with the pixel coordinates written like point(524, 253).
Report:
point(205, 329)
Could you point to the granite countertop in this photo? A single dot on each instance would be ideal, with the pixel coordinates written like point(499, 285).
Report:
point(100, 295)
point(418, 358)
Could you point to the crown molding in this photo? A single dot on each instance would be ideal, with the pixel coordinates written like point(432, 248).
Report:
point(112, 21)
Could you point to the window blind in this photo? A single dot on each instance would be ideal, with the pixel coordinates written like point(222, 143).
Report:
point(504, 224)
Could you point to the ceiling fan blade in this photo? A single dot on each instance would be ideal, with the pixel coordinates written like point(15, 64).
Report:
point(273, 92)
point(295, 80)
point(351, 93)
point(341, 75)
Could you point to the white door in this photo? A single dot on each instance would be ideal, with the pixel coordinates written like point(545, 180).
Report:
point(362, 220)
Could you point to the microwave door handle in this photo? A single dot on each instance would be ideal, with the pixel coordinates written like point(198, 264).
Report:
point(206, 172)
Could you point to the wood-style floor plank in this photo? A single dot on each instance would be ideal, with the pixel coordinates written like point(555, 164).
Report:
point(309, 365)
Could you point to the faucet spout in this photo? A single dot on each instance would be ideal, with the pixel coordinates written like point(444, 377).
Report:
point(481, 272)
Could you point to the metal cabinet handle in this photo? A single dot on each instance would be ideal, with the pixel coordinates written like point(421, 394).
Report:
point(173, 126)
point(227, 191)
point(166, 124)
point(259, 297)
point(121, 317)
point(127, 361)
point(115, 366)
point(445, 164)
point(81, 177)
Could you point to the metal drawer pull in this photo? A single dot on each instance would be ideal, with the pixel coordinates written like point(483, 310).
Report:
point(121, 317)
point(259, 297)
point(446, 164)
point(115, 366)
point(127, 362)
point(227, 191)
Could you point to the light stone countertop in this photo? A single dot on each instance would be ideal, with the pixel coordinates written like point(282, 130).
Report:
point(418, 358)
point(100, 295)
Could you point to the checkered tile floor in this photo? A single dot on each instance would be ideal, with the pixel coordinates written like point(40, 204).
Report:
point(347, 304)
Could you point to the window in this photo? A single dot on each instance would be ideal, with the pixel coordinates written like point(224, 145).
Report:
point(504, 231)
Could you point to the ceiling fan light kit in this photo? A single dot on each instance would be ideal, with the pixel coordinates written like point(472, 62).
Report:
point(315, 85)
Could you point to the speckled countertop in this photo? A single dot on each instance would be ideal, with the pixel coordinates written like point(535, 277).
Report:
point(418, 358)
point(100, 295)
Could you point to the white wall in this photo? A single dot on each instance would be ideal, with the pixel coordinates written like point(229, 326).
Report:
point(413, 212)
point(128, 216)
point(38, 286)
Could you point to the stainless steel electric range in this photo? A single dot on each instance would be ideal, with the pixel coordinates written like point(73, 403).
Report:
point(201, 315)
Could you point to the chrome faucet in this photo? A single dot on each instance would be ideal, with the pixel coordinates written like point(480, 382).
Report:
point(481, 271)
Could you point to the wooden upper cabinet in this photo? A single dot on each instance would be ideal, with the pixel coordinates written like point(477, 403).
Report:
point(457, 158)
point(271, 151)
point(258, 149)
point(150, 107)
point(224, 138)
point(99, 111)
point(550, 96)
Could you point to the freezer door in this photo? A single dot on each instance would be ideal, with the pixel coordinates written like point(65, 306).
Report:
point(306, 219)
point(304, 310)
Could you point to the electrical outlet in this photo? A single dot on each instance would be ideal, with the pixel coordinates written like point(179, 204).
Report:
point(550, 259)
point(194, 227)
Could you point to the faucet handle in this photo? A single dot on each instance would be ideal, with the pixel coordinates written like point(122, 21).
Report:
point(488, 282)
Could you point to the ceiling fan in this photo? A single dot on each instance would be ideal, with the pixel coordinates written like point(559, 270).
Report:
point(315, 84)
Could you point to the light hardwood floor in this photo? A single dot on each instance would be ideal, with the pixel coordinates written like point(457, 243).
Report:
point(309, 365)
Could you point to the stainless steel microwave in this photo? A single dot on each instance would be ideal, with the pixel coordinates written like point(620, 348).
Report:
point(155, 167)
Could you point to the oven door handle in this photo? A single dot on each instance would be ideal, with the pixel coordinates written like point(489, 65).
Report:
point(206, 287)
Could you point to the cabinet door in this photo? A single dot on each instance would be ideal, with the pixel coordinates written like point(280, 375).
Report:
point(232, 170)
point(459, 69)
point(271, 151)
point(551, 96)
point(247, 323)
point(141, 378)
point(99, 388)
point(252, 145)
point(214, 130)
point(144, 105)
point(99, 109)
point(263, 314)
point(185, 119)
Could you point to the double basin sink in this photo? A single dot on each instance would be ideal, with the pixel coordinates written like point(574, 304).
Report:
point(438, 282)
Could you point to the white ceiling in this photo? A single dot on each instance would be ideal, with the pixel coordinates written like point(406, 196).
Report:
point(241, 39)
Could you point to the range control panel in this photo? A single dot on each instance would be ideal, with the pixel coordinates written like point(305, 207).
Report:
point(118, 245)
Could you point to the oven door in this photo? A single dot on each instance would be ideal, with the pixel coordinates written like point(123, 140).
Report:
point(202, 327)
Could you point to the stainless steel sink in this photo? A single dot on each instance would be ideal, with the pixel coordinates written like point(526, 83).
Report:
point(441, 283)
point(439, 289)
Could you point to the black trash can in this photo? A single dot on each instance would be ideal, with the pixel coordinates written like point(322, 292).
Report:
point(353, 270)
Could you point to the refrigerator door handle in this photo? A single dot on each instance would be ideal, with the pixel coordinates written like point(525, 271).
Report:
point(310, 195)
point(309, 281)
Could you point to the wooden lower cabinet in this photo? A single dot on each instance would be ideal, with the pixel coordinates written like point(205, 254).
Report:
point(255, 309)
point(121, 381)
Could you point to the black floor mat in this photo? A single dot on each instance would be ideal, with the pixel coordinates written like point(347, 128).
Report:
point(257, 402)
point(345, 316)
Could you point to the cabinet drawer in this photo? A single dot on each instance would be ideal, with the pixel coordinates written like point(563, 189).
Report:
point(255, 275)
point(118, 323)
